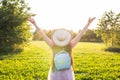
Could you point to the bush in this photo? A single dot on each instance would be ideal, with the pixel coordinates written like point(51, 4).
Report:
point(14, 28)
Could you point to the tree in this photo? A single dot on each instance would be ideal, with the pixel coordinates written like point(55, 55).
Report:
point(14, 29)
point(109, 29)
point(90, 36)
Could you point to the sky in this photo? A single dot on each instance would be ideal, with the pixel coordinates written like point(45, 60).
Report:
point(70, 14)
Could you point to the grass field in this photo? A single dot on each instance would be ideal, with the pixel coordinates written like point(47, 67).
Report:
point(90, 60)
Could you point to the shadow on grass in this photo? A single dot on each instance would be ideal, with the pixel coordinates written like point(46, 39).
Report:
point(110, 49)
point(5, 53)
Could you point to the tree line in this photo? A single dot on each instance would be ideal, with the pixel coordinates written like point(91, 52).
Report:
point(89, 36)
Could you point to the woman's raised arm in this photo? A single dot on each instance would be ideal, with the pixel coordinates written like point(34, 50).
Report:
point(44, 36)
point(79, 35)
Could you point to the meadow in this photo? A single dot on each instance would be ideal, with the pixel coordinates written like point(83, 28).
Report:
point(91, 62)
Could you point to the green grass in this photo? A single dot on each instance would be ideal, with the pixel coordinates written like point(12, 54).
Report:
point(90, 60)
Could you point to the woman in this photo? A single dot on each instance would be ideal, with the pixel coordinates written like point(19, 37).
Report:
point(57, 46)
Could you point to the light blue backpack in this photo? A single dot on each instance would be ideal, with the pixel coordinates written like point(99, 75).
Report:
point(62, 60)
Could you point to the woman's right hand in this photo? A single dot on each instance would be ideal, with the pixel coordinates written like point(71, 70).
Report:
point(32, 20)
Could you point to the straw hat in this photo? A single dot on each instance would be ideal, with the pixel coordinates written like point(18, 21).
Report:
point(61, 37)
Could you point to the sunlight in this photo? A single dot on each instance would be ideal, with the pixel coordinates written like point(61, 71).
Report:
point(70, 14)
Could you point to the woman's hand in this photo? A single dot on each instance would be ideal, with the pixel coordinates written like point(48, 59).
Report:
point(90, 20)
point(32, 20)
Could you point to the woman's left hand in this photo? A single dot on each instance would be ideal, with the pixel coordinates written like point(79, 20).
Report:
point(90, 20)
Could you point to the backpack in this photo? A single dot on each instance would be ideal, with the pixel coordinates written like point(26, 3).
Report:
point(62, 60)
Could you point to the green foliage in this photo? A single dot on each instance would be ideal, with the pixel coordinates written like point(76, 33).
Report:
point(90, 36)
point(14, 29)
point(109, 29)
point(90, 60)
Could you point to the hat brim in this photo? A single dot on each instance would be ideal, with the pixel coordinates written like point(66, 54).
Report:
point(61, 32)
